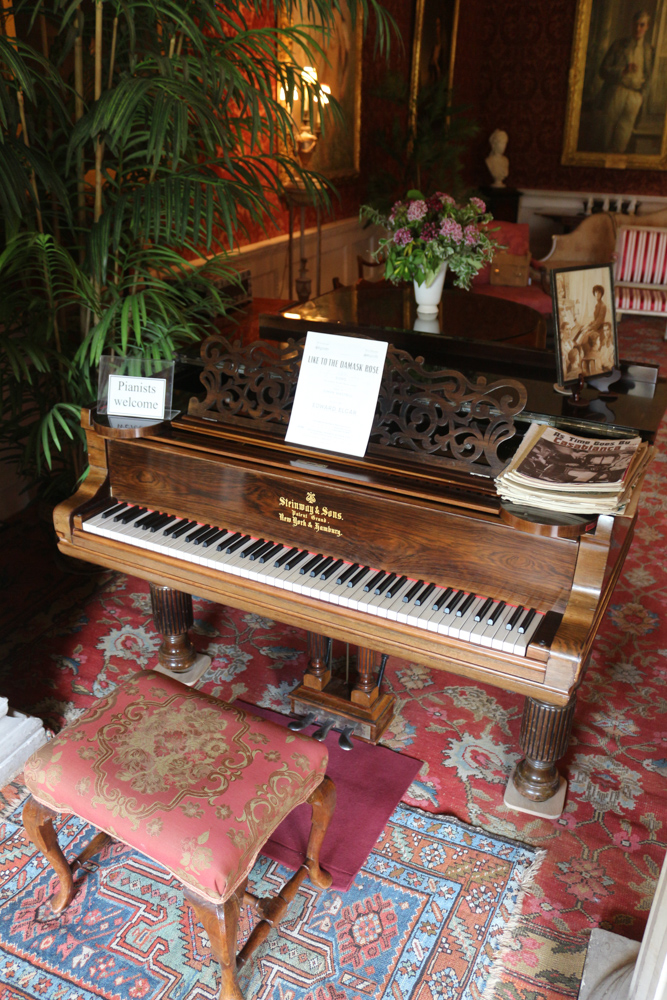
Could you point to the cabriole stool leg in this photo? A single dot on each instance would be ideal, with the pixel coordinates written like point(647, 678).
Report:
point(221, 923)
point(38, 823)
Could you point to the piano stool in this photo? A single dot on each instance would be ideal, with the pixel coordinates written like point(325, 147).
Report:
point(195, 784)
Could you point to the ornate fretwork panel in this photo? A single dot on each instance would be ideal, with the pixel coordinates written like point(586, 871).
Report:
point(434, 416)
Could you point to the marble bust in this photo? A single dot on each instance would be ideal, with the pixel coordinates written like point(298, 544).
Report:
point(497, 163)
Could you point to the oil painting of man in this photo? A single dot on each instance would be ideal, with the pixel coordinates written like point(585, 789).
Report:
point(617, 105)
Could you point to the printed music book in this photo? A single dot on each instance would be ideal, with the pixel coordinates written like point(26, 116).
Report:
point(559, 471)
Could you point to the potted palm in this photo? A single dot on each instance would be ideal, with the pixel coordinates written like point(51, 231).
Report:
point(137, 138)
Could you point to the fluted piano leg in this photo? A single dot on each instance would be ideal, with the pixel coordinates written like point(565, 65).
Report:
point(317, 674)
point(172, 612)
point(365, 690)
point(536, 786)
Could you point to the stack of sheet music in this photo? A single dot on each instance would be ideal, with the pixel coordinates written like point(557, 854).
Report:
point(558, 471)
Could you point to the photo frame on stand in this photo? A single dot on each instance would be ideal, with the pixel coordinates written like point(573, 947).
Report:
point(585, 323)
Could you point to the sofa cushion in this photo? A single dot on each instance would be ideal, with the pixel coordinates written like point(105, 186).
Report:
point(529, 295)
point(512, 236)
point(190, 781)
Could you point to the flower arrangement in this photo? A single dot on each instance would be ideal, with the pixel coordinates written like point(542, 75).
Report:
point(427, 232)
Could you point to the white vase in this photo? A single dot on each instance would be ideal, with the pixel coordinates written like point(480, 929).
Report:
point(428, 297)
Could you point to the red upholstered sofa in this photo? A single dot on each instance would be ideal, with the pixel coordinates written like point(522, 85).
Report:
point(514, 238)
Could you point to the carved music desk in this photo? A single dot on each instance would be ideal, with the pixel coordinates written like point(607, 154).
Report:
point(395, 552)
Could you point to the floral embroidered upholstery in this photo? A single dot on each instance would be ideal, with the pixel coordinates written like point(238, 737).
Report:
point(195, 783)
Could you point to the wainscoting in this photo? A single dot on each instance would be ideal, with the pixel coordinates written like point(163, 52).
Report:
point(341, 242)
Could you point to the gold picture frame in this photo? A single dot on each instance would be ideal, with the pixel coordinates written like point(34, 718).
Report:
point(433, 47)
point(336, 155)
point(617, 96)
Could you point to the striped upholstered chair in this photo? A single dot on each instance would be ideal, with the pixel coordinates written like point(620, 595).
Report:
point(640, 271)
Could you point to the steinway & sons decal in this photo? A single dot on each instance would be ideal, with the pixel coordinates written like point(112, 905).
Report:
point(309, 514)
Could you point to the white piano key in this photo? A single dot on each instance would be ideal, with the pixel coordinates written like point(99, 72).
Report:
point(500, 632)
point(468, 622)
point(525, 638)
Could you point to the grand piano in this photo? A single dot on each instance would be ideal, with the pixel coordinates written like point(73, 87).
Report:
point(407, 551)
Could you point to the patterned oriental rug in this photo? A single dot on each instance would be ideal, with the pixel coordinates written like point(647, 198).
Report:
point(424, 917)
point(603, 855)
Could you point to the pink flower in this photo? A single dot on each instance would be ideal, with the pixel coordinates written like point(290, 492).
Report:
point(452, 230)
point(471, 235)
point(416, 210)
point(446, 199)
point(627, 841)
point(402, 237)
point(430, 232)
point(434, 203)
point(396, 208)
point(478, 204)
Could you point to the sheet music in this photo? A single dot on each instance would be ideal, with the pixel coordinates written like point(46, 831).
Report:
point(337, 393)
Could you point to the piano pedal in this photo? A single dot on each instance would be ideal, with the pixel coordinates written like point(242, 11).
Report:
point(302, 722)
point(321, 734)
point(344, 741)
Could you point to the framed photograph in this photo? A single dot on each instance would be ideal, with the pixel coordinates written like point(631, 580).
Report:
point(617, 100)
point(337, 152)
point(433, 47)
point(585, 321)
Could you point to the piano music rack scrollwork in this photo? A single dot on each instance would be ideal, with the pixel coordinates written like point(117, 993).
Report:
point(431, 415)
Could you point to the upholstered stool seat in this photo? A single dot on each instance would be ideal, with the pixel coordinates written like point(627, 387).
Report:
point(194, 783)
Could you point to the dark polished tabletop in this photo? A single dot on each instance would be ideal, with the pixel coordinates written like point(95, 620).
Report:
point(482, 347)
point(461, 314)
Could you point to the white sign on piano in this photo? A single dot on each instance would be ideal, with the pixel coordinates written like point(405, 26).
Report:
point(133, 396)
point(337, 393)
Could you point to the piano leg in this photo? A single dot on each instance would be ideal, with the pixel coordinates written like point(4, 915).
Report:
point(536, 786)
point(177, 657)
point(318, 672)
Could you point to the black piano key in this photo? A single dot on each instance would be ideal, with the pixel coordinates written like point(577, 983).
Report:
point(395, 587)
point(515, 618)
point(306, 568)
point(322, 566)
point(484, 610)
point(465, 607)
point(382, 586)
point(130, 514)
point(358, 577)
point(116, 509)
point(425, 594)
point(200, 539)
point(270, 553)
point(496, 613)
point(228, 541)
point(238, 544)
point(162, 522)
point(170, 529)
point(215, 537)
point(527, 620)
point(444, 596)
point(181, 528)
point(294, 560)
point(257, 544)
point(145, 522)
point(413, 591)
point(203, 529)
point(372, 584)
point(453, 601)
point(344, 577)
point(332, 570)
point(260, 551)
point(285, 556)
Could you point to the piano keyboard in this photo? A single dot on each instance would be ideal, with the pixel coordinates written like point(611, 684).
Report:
point(444, 610)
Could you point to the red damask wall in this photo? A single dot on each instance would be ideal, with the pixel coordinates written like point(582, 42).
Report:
point(511, 69)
